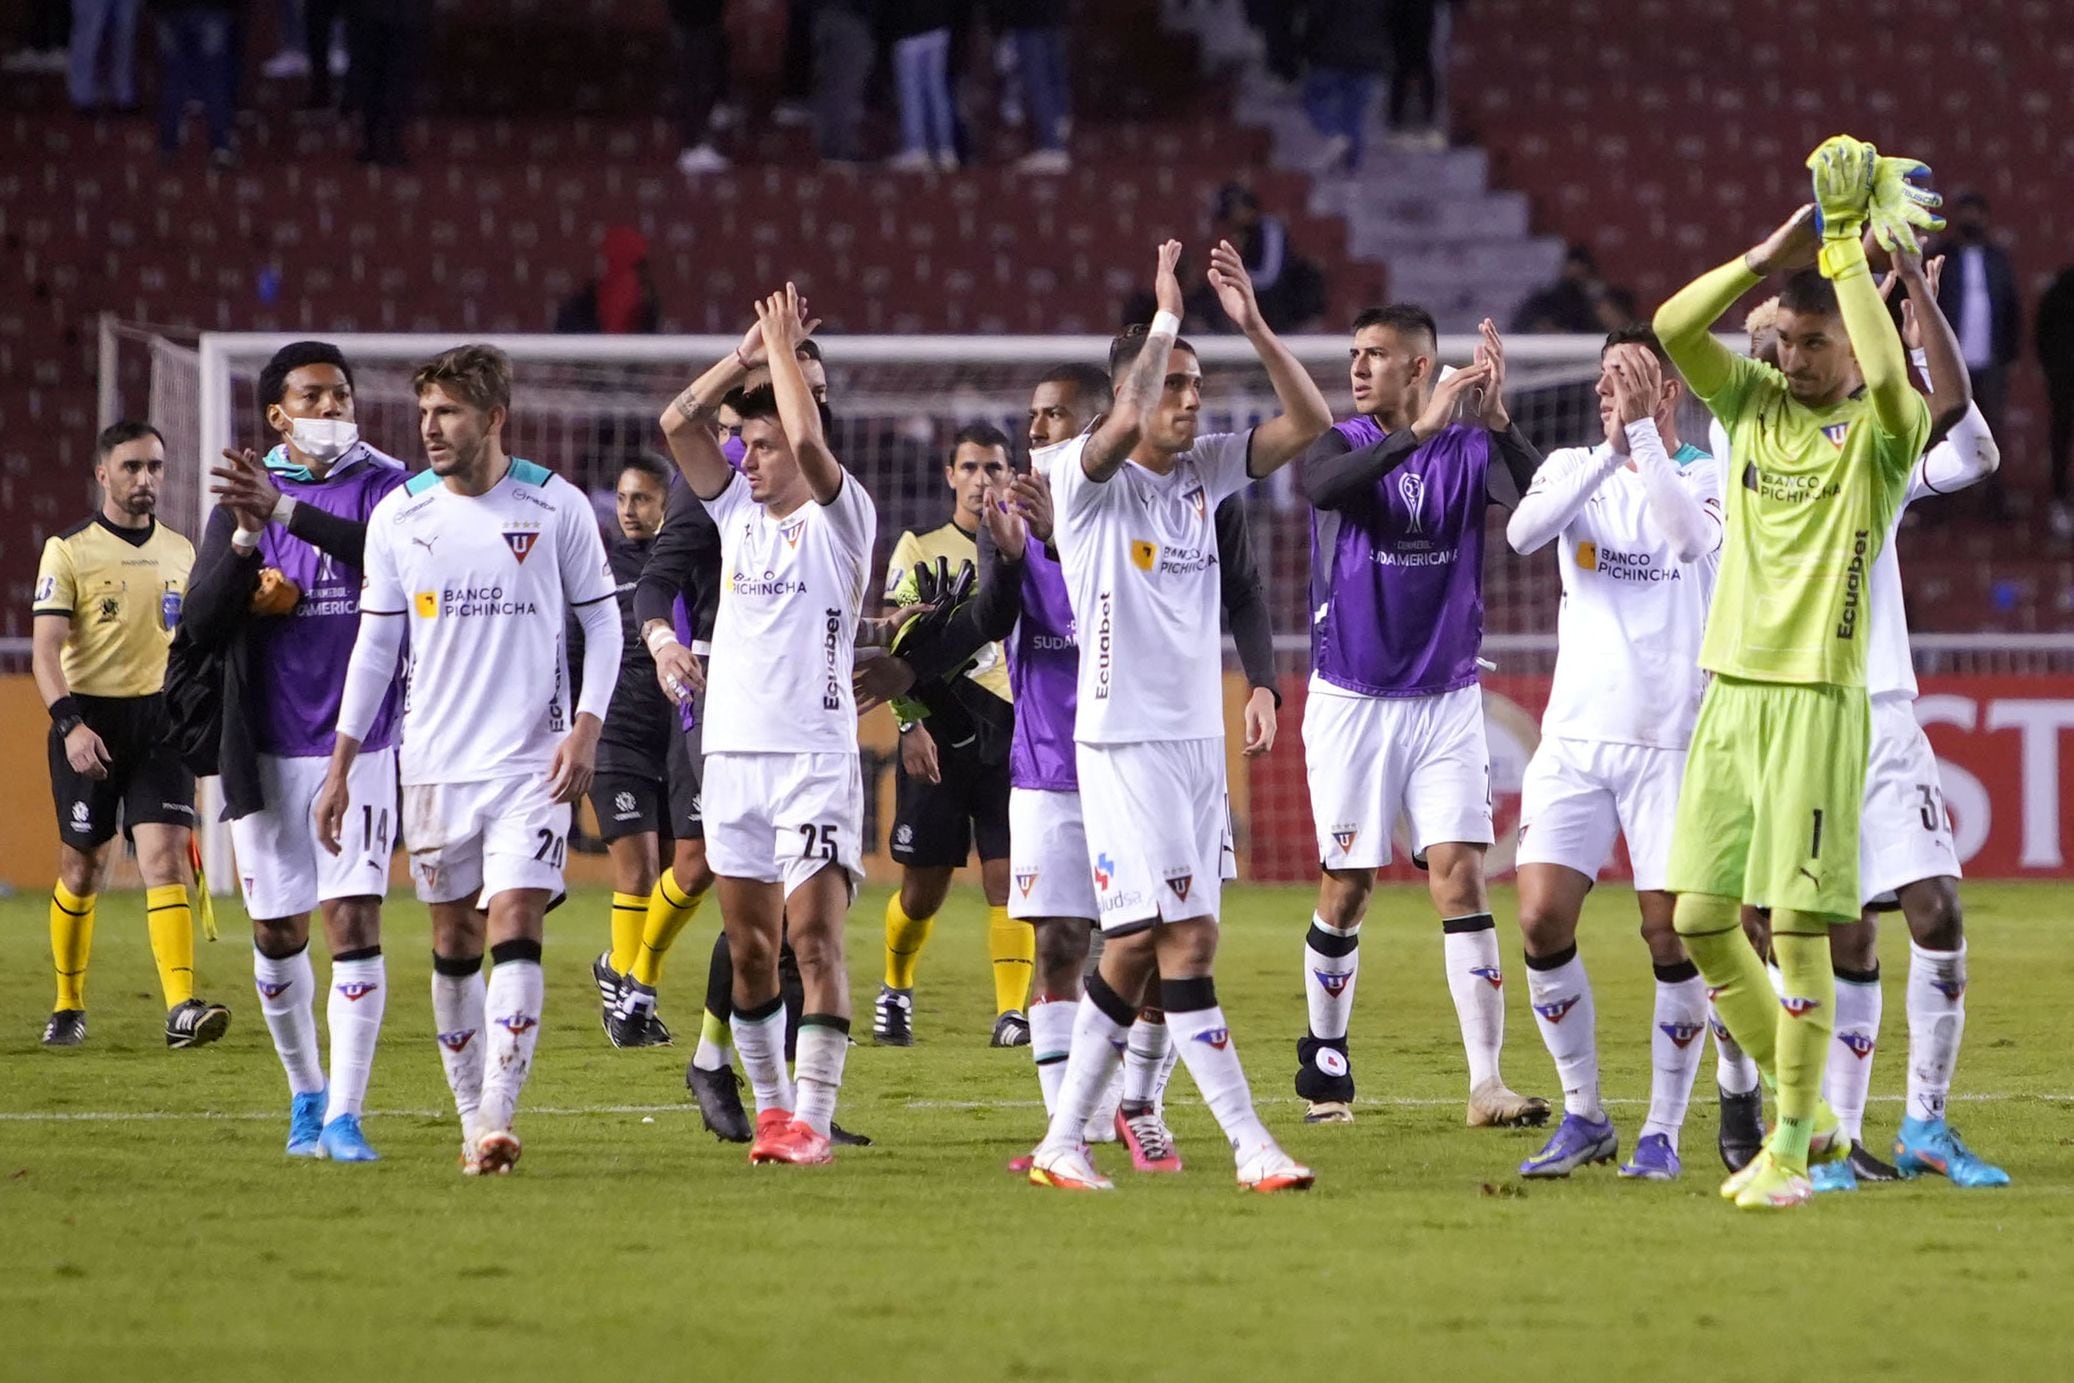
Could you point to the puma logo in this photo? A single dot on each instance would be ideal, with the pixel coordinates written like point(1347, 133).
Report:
point(425, 543)
point(1810, 876)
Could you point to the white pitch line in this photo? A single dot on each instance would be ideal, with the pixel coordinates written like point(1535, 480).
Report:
point(1400, 1102)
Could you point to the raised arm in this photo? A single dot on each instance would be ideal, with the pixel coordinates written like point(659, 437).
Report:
point(1562, 487)
point(1686, 519)
point(220, 587)
point(1335, 474)
point(1137, 393)
point(246, 489)
point(784, 321)
point(1843, 171)
point(1684, 323)
point(688, 425)
point(1304, 415)
point(1925, 328)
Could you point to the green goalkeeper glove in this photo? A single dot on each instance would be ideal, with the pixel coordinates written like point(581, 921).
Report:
point(1843, 170)
point(1900, 208)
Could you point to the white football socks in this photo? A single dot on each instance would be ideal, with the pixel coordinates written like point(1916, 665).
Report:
point(287, 999)
point(359, 997)
point(1561, 995)
point(1098, 1042)
point(1475, 982)
point(1331, 961)
point(1145, 1056)
point(818, 1069)
point(1936, 1023)
point(457, 1018)
point(512, 1004)
point(1212, 1058)
point(1051, 1039)
point(1734, 1070)
point(760, 1042)
point(1847, 1075)
point(1676, 1029)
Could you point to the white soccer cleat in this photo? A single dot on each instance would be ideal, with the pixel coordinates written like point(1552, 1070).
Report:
point(1067, 1170)
point(496, 1152)
point(471, 1134)
point(1270, 1170)
point(1492, 1105)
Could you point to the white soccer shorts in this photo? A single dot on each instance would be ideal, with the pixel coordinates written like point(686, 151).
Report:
point(1370, 759)
point(782, 818)
point(282, 870)
point(1156, 826)
point(476, 840)
point(1903, 834)
point(1048, 873)
point(1577, 794)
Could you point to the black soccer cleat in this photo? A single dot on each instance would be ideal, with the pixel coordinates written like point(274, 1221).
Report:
point(196, 1024)
point(1011, 1029)
point(1742, 1128)
point(66, 1028)
point(1325, 1077)
point(719, 1094)
point(609, 982)
point(843, 1138)
point(1866, 1167)
point(892, 1017)
point(632, 1022)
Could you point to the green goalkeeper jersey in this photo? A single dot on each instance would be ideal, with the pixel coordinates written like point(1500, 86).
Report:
point(1811, 496)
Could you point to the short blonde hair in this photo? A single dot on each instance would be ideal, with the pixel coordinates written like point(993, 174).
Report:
point(477, 375)
point(1763, 317)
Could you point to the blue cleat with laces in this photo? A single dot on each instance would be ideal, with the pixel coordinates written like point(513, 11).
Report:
point(1578, 1142)
point(1932, 1145)
point(344, 1142)
point(306, 1124)
point(1833, 1176)
point(1654, 1159)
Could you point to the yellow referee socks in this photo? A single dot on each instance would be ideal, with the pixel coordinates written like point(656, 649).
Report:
point(1711, 928)
point(71, 942)
point(905, 938)
point(1806, 1022)
point(629, 920)
point(1012, 946)
point(670, 910)
point(171, 921)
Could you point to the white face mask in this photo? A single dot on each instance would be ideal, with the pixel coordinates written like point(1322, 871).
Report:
point(324, 440)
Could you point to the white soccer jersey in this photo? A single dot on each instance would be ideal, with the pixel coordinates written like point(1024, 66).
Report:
point(778, 681)
point(1632, 618)
point(487, 583)
point(1139, 553)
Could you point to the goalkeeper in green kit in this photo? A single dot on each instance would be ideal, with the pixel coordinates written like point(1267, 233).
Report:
point(1822, 448)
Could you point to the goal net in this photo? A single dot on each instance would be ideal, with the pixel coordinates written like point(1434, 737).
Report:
point(581, 405)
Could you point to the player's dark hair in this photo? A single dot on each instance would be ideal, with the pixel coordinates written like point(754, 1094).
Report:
point(1638, 334)
point(810, 348)
point(650, 465)
point(1409, 320)
point(273, 376)
point(1807, 291)
point(762, 402)
point(128, 430)
point(1128, 346)
point(979, 434)
point(1090, 385)
point(478, 375)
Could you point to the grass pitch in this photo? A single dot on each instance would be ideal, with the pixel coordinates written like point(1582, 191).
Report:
point(154, 1230)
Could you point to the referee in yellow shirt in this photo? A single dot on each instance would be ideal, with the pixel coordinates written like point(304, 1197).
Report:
point(108, 598)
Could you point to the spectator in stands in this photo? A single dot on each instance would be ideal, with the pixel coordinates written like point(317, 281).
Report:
point(1290, 288)
point(1281, 40)
point(1978, 296)
point(388, 39)
point(313, 44)
point(700, 29)
point(45, 39)
point(2055, 341)
point(845, 47)
point(1346, 45)
point(621, 299)
point(1571, 303)
point(918, 32)
point(103, 28)
point(1412, 24)
point(1036, 31)
point(195, 57)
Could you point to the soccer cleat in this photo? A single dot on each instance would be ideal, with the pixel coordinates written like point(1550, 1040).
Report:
point(782, 1138)
point(1742, 1128)
point(1932, 1145)
point(1491, 1105)
point(306, 1124)
point(632, 1022)
point(66, 1028)
point(840, 1137)
point(1577, 1142)
point(1771, 1185)
point(1865, 1167)
point(1325, 1077)
point(1011, 1029)
point(719, 1094)
point(892, 1017)
point(1654, 1159)
point(193, 1023)
point(608, 981)
point(658, 1032)
point(470, 1136)
point(1150, 1140)
point(495, 1153)
point(1832, 1176)
point(1270, 1170)
point(342, 1141)
point(1067, 1169)
point(1020, 1166)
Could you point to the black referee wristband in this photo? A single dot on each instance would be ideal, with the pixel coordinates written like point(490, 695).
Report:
point(64, 713)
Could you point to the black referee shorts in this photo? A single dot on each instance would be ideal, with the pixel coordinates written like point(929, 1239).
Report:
point(146, 783)
point(936, 824)
point(634, 795)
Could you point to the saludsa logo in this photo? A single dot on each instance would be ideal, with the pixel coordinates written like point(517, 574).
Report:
point(1854, 585)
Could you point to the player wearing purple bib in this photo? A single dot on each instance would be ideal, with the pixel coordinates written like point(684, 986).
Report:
point(1394, 720)
point(277, 586)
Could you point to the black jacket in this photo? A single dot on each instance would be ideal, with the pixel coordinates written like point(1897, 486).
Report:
point(685, 560)
point(2005, 312)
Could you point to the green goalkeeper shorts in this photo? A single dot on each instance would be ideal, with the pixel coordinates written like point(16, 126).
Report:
point(1773, 788)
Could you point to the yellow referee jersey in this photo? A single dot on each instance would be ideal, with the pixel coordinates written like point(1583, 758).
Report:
point(990, 668)
point(122, 588)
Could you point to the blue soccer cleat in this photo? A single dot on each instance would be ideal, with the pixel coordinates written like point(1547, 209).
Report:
point(306, 1124)
point(1578, 1142)
point(1833, 1176)
point(1932, 1145)
point(344, 1142)
point(1654, 1159)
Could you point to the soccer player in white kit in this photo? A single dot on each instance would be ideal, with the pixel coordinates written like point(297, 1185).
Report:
point(481, 560)
point(1637, 521)
point(1134, 499)
point(784, 792)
